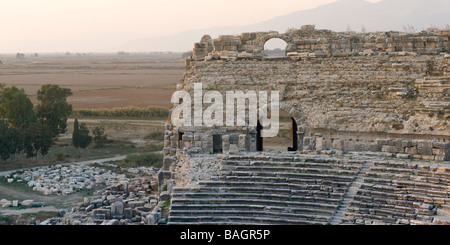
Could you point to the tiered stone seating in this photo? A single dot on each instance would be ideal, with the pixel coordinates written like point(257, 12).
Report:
point(400, 193)
point(266, 190)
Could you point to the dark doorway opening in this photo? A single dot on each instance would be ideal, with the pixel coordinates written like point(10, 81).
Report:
point(217, 143)
point(285, 136)
point(259, 139)
point(294, 136)
point(180, 139)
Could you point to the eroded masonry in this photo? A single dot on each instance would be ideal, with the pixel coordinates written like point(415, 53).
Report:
point(377, 97)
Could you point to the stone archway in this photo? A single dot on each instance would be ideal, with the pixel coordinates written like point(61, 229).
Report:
point(275, 47)
point(294, 118)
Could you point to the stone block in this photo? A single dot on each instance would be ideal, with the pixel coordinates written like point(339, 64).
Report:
point(389, 148)
point(89, 208)
point(101, 213)
point(424, 144)
point(117, 208)
point(438, 152)
point(234, 150)
point(428, 157)
point(309, 143)
point(411, 150)
point(425, 151)
point(129, 213)
point(380, 143)
point(242, 143)
point(406, 143)
point(319, 143)
point(338, 144)
point(27, 203)
point(135, 204)
point(167, 162)
point(441, 145)
point(307, 27)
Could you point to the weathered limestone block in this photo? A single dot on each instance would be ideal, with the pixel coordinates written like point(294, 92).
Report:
point(101, 213)
point(234, 149)
point(308, 27)
point(424, 144)
point(309, 143)
point(319, 143)
point(117, 209)
point(411, 150)
point(428, 151)
point(242, 145)
point(338, 144)
point(225, 144)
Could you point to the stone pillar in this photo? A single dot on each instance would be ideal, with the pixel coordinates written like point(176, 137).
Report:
point(252, 139)
point(242, 142)
point(301, 130)
point(319, 142)
point(225, 144)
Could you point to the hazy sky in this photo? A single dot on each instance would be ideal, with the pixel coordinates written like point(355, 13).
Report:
point(37, 25)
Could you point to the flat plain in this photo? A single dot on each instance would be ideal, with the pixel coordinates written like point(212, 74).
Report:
point(98, 80)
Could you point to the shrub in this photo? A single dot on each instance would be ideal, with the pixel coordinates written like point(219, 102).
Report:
point(143, 159)
point(60, 156)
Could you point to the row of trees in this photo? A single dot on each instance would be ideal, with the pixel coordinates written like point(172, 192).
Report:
point(128, 112)
point(25, 128)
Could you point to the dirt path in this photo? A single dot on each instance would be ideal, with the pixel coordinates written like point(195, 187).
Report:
point(8, 212)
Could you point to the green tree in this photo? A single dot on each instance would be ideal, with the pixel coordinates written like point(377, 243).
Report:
point(16, 107)
point(80, 135)
point(53, 109)
point(30, 139)
point(7, 145)
point(76, 134)
point(85, 138)
point(37, 138)
point(100, 137)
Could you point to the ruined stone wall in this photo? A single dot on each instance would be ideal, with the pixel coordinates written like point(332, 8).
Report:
point(308, 41)
point(345, 91)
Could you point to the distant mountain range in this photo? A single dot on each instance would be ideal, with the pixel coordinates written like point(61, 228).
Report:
point(337, 16)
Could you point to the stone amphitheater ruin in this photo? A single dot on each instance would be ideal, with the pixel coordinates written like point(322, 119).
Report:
point(370, 132)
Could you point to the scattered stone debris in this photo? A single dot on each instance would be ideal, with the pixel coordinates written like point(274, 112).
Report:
point(133, 202)
point(67, 179)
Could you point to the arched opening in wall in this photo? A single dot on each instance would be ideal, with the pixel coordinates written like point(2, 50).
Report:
point(275, 47)
point(286, 139)
point(180, 140)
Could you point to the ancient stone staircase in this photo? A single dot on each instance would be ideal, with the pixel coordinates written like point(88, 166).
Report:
point(352, 191)
point(297, 189)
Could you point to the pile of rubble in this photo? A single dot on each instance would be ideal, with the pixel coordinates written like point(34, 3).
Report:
point(133, 202)
point(66, 179)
